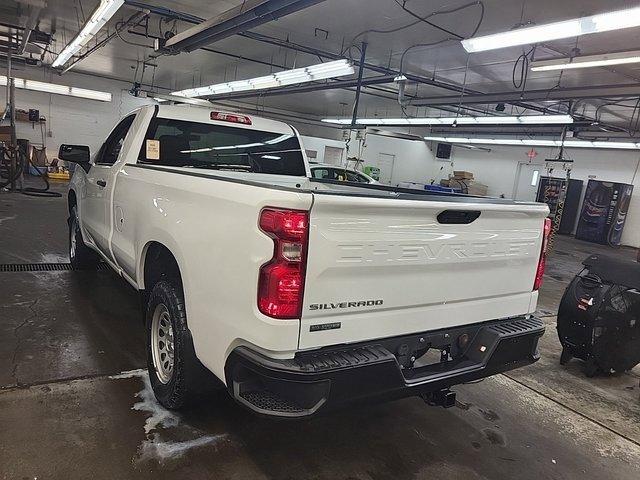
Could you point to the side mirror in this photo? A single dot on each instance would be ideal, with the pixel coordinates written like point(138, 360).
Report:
point(75, 154)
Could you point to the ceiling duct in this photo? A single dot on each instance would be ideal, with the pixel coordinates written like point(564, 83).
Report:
point(248, 15)
point(598, 91)
point(390, 134)
point(31, 23)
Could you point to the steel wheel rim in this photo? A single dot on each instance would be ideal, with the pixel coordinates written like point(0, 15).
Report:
point(162, 351)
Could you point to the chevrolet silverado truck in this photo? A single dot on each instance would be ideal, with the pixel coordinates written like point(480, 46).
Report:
point(300, 294)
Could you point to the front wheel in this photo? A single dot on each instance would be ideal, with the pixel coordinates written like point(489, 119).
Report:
point(80, 256)
point(170, 356)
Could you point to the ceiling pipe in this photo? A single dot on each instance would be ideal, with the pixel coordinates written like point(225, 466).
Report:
point(249, 14)
point(212, 50)
point(599, 91)
point(356, 101)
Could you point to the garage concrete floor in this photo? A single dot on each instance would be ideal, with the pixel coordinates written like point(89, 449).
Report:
point(67, 411)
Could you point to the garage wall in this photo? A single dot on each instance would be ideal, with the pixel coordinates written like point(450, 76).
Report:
point(414, 161)
point(498, 170)
point(88, 122)
point(320, 144)
point(70, 119)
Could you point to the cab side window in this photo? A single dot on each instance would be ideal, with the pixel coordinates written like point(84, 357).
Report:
point(110, 150)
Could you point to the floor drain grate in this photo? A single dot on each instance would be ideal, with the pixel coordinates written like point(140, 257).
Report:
point(42, 267)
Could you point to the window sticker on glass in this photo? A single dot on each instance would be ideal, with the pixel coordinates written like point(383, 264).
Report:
point(153, 149)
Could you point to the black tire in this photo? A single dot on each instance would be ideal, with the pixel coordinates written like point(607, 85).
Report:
point(80, 256)
point(176, 391)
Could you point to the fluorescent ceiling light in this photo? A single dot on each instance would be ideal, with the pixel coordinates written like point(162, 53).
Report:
point(101, 15)
point(537, 143)
point(489, 120)
point(321, 71)
point(587, 61)
point(57, 89)
point(603, 22)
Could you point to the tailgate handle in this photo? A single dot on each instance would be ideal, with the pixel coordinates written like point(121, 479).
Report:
point(458, 217)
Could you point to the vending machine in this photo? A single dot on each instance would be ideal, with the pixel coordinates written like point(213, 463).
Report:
point(604, 212)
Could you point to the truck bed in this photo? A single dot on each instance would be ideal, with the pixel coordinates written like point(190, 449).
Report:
point(386, 261)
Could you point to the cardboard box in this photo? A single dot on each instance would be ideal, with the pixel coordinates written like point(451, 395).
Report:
point(477, 189)
point(5, 134)
point(463, 174)
point(470, 187)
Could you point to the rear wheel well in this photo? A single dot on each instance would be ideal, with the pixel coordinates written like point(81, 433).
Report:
point(160, 264)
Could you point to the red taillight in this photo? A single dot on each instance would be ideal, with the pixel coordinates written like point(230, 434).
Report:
point(281, 281)
point(543, 254)
point(230, 117)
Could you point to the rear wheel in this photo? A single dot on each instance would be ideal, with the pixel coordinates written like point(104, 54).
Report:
point(171, 359)
point(80, 256)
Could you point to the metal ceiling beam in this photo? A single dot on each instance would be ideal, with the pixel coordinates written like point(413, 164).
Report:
point(600, 91)
point(249, 14)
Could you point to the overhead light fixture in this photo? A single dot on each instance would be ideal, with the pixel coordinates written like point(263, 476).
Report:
point(603, 22)
point(587, 61)
point(101, 15)
point(57, 89)
point(488, 120)
point(537, 143)
point(322, 71)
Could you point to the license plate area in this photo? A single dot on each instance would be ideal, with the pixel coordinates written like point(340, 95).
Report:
point(434, 352)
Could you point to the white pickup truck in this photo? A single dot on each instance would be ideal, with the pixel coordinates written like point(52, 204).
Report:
point(300, 294)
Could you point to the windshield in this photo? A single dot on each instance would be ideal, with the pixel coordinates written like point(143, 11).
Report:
point(180, 143)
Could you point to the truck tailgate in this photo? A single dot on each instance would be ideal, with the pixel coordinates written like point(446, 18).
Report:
point(381, 267)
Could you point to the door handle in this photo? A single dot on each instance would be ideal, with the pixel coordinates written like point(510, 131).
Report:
point(458, 217)
point(101, 183)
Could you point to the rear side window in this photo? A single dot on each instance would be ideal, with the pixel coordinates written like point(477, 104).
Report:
point(179, 143)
